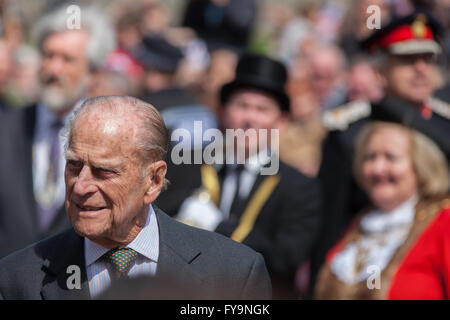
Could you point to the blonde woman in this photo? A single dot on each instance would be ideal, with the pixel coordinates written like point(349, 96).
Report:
point(399, 248)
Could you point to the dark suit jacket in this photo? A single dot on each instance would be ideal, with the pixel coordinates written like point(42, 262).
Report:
point(285, 228)
point(218, 266)
point(18, 215)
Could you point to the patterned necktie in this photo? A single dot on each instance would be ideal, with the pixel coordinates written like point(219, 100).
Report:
point(238, 201)
point(121, 258)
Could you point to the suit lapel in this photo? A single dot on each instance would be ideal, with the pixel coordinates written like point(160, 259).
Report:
point(59, 222)
point(176, 251)
point(24, 157)
point(242, 204)
point(58, 276)
point(221, 171)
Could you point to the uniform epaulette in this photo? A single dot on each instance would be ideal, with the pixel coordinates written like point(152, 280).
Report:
point(341, 117)
point(440, 107)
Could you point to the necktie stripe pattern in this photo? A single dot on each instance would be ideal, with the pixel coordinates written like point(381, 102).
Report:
point(121, 258)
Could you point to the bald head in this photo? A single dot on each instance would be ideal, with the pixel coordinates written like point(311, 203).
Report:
point(139, 124)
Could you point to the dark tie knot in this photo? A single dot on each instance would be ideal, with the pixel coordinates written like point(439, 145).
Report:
point(121, 258)
point(239, 168)
point(57, 124)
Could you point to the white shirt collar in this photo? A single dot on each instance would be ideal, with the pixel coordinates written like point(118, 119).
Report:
point(146, 242)
point(378, 221)
point(254, 163)
point(45, 118)
point(44, 115)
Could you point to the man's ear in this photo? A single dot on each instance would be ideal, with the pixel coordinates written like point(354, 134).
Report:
point(156, 175)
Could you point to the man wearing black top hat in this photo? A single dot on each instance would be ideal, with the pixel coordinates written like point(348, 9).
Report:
point(405, 52)
point(276, 213)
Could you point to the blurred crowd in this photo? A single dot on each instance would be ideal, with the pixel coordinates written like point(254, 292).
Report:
point(177, 55)
point(317, 40)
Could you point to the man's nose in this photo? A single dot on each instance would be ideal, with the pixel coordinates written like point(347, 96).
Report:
point(54, 64)
point(84, 183)
point(253, 117)
point(420, 64)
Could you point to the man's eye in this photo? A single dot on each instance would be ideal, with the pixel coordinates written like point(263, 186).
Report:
point(369, 156)
point(263, 108)
point(237, 104)
point(68, 59)
point(48, 55)
point(75, 164)
point(430, 58)
point(104, 172)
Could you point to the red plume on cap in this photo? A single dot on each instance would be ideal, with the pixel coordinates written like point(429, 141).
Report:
point(411, 34)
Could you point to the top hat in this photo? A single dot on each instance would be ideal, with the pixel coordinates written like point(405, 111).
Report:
point(259, 72)
point(157, 53)
point(413, 34)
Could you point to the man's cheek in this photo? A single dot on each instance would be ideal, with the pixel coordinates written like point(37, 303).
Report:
point(117, 195)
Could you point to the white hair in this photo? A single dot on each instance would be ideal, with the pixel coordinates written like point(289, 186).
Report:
point(153, 138)
point(102, 39)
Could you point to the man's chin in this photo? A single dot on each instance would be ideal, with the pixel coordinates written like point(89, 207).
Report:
point(88, 229)
point(86, 225)
point(418, 95)
point(56, 100)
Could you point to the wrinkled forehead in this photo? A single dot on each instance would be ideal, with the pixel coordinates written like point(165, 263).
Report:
point(103, 127)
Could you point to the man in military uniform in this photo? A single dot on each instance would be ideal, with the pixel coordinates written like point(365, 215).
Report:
point(405, 54)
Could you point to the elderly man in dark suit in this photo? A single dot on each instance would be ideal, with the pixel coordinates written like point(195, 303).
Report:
point(32, 161)
point(257, 200)
point(114, 172)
